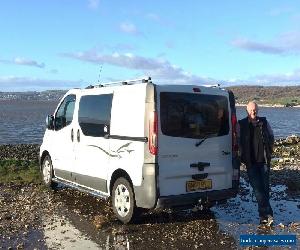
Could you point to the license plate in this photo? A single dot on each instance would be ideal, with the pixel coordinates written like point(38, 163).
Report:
point(198, 185)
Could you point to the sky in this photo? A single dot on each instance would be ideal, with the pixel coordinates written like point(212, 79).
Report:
point(62, 44)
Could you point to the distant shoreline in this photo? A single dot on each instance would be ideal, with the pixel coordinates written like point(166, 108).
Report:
point(237, 104)
point(268, 105)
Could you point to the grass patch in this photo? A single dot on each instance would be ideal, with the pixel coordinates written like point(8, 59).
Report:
point(292, 101)
point(19, 171)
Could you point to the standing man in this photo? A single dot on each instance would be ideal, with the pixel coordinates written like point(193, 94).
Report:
point(256, 144)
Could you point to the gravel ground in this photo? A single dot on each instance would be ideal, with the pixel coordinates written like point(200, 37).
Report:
point(28, 152)
point(33, 217)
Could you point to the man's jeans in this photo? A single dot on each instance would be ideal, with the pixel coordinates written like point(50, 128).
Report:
point(259, 179)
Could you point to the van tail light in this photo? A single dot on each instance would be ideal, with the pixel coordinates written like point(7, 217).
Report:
point(235, 146)
point(153, 134)
point(235, 151)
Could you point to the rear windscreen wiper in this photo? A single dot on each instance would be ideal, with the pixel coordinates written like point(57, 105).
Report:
point(200, 142)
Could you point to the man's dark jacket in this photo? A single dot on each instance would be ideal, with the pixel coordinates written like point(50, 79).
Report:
point(245, 147)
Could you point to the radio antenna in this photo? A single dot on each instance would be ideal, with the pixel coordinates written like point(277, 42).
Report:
point(99, 76)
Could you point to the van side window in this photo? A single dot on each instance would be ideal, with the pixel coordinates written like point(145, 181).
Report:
point(64, 114)
point(193, 115)
point(94, 114)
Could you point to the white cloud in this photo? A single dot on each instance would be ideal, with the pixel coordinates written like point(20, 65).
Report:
point(157, 68)
point(129, 28)
point(15, 83)
point(292, 78)
point(287, 79)
point(93, 4)
point(129, 61)
point(153, 17)
point(257, 46)
point(165, 72)
point(23, 61)
point(284, 44)
point(115, 47)
point(28, 62)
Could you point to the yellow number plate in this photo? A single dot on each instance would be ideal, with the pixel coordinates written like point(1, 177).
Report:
point(198, 185)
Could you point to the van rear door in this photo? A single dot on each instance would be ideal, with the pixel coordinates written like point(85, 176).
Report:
point(194, 139)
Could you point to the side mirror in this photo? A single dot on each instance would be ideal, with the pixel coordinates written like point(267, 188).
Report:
point(50, 122)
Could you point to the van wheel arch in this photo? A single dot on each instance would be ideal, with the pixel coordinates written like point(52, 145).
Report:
point(116, 175)
point(120, 177)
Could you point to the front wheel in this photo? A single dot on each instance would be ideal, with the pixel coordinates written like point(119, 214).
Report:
point(123, 200)
point(47, 172)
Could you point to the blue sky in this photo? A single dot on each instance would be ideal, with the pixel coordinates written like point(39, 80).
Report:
point(60, 44)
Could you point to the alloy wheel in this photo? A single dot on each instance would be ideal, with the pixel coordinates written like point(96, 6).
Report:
point(122, 200)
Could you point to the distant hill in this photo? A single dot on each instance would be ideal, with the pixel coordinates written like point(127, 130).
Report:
point(48, 95)
point(287, 96)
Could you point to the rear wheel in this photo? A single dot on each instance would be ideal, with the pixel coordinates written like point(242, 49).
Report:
point(47, 172)
point(123, 200)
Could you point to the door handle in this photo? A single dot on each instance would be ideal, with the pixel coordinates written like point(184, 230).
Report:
point(78, 135)
point(200, 165)
point(225, 152)
point(72, 135)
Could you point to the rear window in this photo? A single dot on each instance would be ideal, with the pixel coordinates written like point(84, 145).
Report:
point(193, 115)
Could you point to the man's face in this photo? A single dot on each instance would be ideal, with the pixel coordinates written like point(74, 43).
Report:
point(252, 110)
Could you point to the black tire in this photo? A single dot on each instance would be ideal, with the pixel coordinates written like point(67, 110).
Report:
point(47, 172)
point(123, 201)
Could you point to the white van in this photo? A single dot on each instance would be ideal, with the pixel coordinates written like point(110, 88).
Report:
point(145, 145)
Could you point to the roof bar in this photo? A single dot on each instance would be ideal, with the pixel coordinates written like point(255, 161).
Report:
point(126, 82)
point(216, 85)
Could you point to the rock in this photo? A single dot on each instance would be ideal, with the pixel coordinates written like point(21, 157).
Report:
point(8, 217)
point(294, 225)
point(20, 246)
point(293, 139)
point(99, 221)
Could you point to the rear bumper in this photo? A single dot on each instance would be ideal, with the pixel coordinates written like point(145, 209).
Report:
point(193, 198)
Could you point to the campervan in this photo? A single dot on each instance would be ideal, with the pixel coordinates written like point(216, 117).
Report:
point(145, 145)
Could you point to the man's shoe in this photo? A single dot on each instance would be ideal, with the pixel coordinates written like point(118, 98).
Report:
point(269, 221)
point(263, 221)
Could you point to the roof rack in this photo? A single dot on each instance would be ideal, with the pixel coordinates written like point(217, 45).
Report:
point(126, 82)
point(216, 85)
